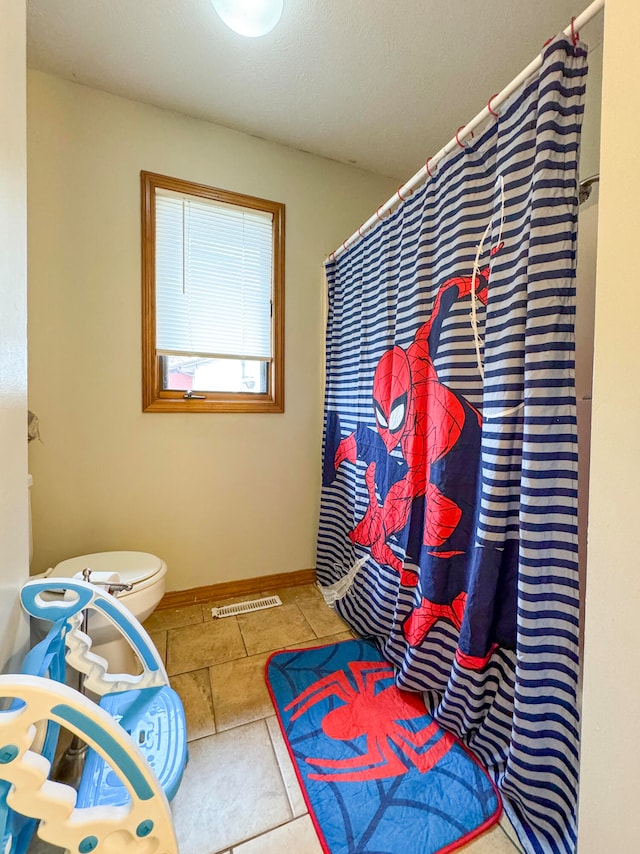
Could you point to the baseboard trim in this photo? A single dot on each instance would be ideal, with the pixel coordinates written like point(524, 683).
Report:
point(242, 587)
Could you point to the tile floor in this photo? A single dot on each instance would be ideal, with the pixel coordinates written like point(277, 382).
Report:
point(240, 794)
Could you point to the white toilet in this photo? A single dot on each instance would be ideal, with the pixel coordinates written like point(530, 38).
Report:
point(145, 572)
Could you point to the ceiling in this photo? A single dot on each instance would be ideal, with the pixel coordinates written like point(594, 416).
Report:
point(380, 84)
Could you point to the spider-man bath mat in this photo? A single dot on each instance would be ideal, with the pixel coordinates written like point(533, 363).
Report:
point(378, 774)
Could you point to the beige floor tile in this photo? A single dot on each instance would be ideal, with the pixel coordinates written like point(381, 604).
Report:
point(297, 836)
point(159, 639)
point(293, 594)
point(494, 841)
point(294, 792)
point(341, 636)
point(322, 619)
point(171, 618)
point(240, 692)
point(274, 628)
point(204, 644)
point(194, 688)
point(231, 791)
point(508, 828)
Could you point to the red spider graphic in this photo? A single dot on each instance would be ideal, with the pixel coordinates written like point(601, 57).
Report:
point(417, 412)
point(421, 620)
point(378, 716)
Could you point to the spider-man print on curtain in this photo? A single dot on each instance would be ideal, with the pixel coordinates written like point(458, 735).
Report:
point(450, 455)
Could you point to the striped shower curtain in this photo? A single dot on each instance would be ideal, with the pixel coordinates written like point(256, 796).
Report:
point(449, 501)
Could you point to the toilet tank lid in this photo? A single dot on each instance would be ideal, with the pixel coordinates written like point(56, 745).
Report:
point(131, 566)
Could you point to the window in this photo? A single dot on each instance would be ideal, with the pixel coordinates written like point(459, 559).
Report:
point(212, 299)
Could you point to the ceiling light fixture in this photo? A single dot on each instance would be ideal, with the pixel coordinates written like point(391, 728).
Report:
point(249, 17)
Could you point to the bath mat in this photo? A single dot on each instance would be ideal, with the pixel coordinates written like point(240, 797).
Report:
point(378, 774)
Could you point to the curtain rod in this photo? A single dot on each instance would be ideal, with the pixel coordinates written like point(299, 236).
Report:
point(463, 132)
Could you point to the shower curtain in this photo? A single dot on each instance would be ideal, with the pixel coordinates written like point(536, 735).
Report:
point(449, 500)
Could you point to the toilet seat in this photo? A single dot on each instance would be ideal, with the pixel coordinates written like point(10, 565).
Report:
point(147, 575)
point(137, 568)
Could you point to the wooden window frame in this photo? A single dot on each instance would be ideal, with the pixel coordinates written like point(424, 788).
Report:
point(154, 397)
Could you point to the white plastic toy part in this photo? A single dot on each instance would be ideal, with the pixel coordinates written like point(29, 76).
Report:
point(143, 826)
point(79, 595)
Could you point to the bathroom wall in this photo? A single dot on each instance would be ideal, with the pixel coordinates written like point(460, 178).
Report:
point(610, 773)
point(219, 496)
point(14, 540)
point(586, 284)
point(585, 320)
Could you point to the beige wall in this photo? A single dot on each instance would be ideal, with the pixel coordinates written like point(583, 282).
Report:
point(610, 772)
point(14, 540)
point(586, 284)
point(218, 496)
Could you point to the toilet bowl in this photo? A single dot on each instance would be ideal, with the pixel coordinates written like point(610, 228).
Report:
point(145, 572)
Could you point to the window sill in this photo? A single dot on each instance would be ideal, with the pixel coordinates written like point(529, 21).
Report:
point(214, 404)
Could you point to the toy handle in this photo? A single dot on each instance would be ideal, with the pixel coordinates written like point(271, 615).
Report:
point(86, 595)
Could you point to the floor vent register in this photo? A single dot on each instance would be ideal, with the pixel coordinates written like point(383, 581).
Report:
point(246, 607)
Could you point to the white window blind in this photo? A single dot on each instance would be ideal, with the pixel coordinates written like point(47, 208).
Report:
point(213, 278)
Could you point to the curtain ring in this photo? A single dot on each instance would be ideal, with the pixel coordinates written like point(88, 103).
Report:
point(429, 173)
point(574, 35)
point(491, 110)
point(378, 214)
point(400, 196)
point(360, 231)
point(344, 245)
point(458, 138)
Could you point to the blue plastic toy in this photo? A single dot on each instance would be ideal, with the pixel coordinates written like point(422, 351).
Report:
point(136, 735)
